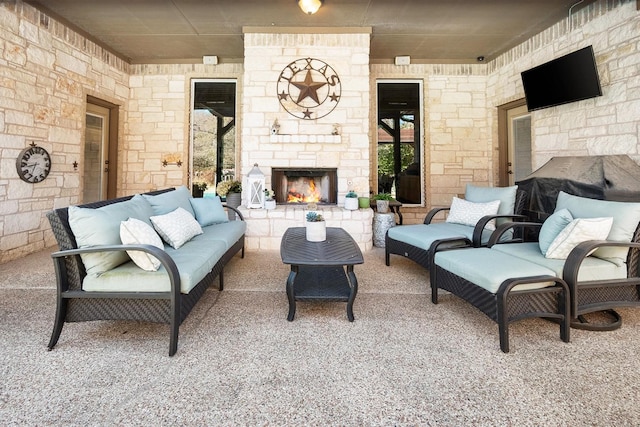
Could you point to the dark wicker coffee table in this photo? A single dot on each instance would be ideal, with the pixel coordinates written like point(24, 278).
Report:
point(321, 271)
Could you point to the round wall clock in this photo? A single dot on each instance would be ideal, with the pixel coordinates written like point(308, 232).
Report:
point(33, 164)
point(309, 88)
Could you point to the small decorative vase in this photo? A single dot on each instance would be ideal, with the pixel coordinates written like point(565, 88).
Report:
point(351, 203)
point(233, 200)
point(382, 206)
point(364, 202)
point(269, 204)
point(316, 231)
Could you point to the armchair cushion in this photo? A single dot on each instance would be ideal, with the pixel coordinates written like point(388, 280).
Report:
point(592, 268)
point(626, 216)
point(579, 230)
point(423, 235)
point(552, 227)
point(506, 195)
point(469, 213)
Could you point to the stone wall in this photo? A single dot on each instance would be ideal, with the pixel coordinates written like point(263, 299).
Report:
point(609, 124)
point(157, 123)
point(47, 73)
point(266, 55)
point(456, 128)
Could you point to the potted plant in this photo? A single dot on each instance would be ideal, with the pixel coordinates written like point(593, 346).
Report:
point(198, 188)
point(316, 229)
point(230, 190)
point(227, 189)
point(382, 202)
point(364, 202)
point(269, 201)
point(351, 201)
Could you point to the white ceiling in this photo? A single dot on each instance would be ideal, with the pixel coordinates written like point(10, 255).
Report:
point(430, 31)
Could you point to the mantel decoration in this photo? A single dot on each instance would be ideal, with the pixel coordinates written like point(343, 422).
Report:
point(256, 180)
point(351, 201)
point(269, 201)
point(309, 88)
point(316, 230)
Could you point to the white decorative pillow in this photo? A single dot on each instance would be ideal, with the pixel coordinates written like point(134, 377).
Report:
point(469, 213)
point(579, 230)
point(134, 231)
point(177, 227)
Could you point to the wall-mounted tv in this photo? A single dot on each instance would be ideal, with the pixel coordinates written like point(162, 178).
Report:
point(570, 78)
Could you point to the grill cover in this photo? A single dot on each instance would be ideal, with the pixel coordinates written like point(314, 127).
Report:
point(597, 177)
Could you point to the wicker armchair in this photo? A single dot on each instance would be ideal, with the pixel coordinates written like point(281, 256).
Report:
point(446, 235)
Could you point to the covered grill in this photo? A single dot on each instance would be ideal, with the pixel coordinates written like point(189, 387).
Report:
point(615, 177)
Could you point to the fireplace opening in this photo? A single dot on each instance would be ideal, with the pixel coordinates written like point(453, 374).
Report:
point(309, 185)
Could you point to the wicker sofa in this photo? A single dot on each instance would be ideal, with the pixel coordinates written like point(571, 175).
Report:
point(585, 260)
point(89, 289)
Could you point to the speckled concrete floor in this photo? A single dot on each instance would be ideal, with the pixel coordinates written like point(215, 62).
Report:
point(404, 361)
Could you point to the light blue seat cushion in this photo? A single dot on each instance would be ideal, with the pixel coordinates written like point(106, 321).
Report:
point(228, 232)
point(423, 235)
point(488, 268)
point(170, 201)
point(626, 216)
point(194, 260)
point(592, 268)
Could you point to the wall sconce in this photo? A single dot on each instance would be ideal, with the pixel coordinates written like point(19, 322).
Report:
point(172, 159)
point(177, 163)
point(75, 165)
point(309, 6)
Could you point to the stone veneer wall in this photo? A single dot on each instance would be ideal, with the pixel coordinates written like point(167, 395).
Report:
point(266, 55)
point(306, 143)
point(609, 124)
point(456, 128)
point(48, 70)
point(157, 122)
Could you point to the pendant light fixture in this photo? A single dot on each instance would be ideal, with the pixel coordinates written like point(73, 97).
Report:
point(309, 6)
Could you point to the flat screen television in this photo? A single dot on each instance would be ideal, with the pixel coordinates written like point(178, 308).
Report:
point(570, 78)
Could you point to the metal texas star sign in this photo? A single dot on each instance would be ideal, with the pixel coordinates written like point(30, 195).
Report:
point(309, 88)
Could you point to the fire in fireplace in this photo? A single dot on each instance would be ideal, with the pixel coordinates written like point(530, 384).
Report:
point(310, 185)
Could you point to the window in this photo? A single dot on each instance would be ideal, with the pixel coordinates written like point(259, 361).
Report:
point(213, 133)
point(400, 169)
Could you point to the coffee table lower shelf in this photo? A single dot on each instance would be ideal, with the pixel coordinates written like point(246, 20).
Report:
point(321, 283)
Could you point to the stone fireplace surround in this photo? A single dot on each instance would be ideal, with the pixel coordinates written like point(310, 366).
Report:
point(266, 227)
point(338, 140)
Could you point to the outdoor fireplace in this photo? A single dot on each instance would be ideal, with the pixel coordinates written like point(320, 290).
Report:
point(308, 185)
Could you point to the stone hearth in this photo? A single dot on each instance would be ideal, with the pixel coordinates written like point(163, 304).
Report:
point(266, 227)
